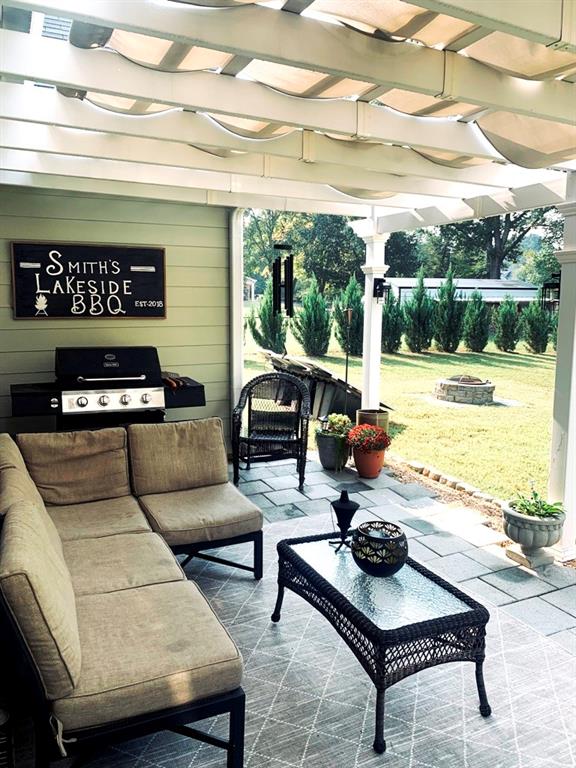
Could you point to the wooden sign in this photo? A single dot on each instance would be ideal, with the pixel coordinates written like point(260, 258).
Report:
point(65, 280)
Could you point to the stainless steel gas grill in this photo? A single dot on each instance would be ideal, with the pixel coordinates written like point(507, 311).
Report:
point(105, 386)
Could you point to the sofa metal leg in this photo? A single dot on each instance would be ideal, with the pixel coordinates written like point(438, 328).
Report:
point(236, 740)
point(258, 555)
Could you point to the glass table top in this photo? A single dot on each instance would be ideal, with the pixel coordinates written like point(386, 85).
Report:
point(389, 602)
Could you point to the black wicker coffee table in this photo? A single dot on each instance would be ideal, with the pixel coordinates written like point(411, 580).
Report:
point(395, 625)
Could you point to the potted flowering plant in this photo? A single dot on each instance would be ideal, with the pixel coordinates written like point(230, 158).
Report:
point(368, 443)
point(533, 523)
point(331, 441)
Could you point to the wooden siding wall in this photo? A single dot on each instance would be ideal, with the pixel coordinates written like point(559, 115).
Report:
point(193, 339)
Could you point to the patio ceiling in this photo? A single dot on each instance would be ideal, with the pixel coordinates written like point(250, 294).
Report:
point(416, 113)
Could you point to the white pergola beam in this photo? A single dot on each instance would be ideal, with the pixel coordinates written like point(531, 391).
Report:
point(114, 170)
point(173, 194)
point(286, 38)
point(51, 61)
point(550, 22)
point(62, 141)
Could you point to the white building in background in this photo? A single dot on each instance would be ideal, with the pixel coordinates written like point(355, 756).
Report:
point(493, 291)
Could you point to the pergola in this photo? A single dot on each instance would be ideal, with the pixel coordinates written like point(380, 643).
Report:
point(404, 114)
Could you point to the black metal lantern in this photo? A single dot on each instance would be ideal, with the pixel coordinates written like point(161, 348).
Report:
point(381, 290)
point(344, 510)
point(550, 294)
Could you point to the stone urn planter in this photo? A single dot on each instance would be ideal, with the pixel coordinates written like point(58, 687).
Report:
point(532, 534)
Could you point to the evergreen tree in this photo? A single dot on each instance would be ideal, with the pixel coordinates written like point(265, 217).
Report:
point(350, 298)
point(554, 329)
point(312, 324)
point(476, 328)
point(536, 327)
point(419, 317)
point(272, 331)
point(506, 325)
point(448, 316)
point(392, 325)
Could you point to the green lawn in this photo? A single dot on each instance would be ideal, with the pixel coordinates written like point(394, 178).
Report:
point(498, 448)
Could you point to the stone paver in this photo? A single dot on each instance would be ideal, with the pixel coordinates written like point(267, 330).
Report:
point(421, 525)
point(518, 583)
point(284, 512)
point(255, 473)
point(558, 575)
point(254, 486)
point(393, 513)
point(260, 500)
point(540, 615)
point(320, 492)
point(281, 482)
point(289, 496)
point(381, 496)
point(458, 567)
point(481, 535)
point(318, 478)
point(481, 590)
point(419, 552)
point(493, 557)
point(445, 543)
point(565, 599)
point(410, 491)
point(314, 506)
point(353, 487)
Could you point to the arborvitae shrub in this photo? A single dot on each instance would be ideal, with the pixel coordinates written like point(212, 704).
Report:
point(350, 298)
point(554, 328)
point(507, 325)
point(535, 327)
point(271, 333)
point(312, 323)
point(418, 318)
point(392, 325)
point(448, 316)
point(476, 327)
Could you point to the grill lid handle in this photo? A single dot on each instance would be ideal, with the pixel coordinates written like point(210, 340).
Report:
point(113, 378)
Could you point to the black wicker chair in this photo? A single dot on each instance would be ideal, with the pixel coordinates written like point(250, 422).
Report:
point(275, 425)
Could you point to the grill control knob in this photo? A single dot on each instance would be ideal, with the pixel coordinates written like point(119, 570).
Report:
point(125, 399)
point(82, 402)
point(146, 397)
point(103, 400)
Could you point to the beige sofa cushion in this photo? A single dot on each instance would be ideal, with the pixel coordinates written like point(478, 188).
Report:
point(201, 514)
point(75, 467)
point(177, 455)
point(148, 649)
point(10, 456)
point(124, 561)
point(17, 485)
point(99, 518)
point(38, 590)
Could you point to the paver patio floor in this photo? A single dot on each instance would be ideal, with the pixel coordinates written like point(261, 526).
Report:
point(310, 704)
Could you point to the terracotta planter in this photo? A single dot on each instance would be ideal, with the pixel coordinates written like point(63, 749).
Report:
point(369, 463)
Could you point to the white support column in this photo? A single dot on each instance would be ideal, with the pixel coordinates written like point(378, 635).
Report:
point(236, 304)
point(375, 267)
point(562, 482)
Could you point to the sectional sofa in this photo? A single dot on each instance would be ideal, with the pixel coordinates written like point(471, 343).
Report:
point(103, 637)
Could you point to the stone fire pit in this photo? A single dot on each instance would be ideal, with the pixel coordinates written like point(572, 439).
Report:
point(465, 389)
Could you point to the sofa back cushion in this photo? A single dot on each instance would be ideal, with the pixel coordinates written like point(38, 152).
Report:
point(37, 589)
point(75, 467)
point(177, 455)
point(10, 455)
point(17, 485)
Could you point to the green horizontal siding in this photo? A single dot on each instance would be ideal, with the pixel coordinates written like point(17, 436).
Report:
point(193, 339)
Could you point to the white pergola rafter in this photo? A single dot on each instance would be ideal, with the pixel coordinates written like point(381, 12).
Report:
point(552, 23)
point(47, 107)
point(61, 141)
point(57, 63)
point(254, 31)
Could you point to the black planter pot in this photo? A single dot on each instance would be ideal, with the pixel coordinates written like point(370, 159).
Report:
point(332, 450)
